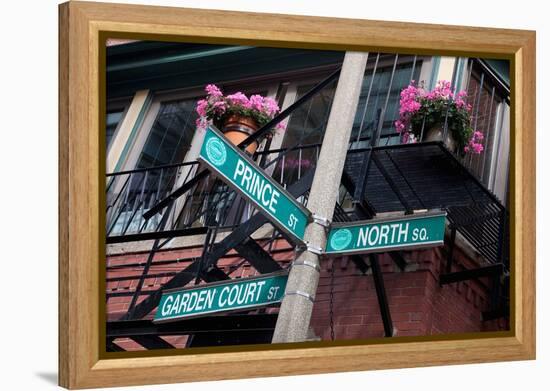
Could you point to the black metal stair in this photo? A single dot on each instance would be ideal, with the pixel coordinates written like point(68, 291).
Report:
point(410, 177)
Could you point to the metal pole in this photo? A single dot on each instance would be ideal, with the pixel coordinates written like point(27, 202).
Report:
point(297, 306)
point(381, 295)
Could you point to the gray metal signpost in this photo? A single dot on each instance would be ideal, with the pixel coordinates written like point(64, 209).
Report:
point(296, 308)
point(307, 229)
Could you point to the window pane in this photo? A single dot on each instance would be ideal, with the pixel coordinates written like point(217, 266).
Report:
point(486, 102)
point(308, 122)
point(112, 121)
point(211, 202)
point(171, 134)
point(306, 126)
point(383, 85)
point(168, 142)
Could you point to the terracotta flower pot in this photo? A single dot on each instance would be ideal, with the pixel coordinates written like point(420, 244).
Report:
point(237, 128)
point(435, 133)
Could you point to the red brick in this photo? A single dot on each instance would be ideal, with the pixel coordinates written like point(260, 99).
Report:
point(408, 325)
point(416, 316)
point(409, 333)
point(400, 317)
point(417, 303)
point(117, 307)
point(350, 320)
point(416, 291)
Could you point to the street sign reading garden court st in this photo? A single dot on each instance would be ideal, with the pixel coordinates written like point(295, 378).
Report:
point(241, 173)
point(377, 235)
point(221, 296)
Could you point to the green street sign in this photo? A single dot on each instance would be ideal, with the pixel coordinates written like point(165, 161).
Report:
point(411, 231)
point(241, 173)
point(221, 296)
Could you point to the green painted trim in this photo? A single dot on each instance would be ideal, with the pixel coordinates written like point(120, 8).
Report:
point(435, 70)
point(139, 121)
point(178, 57)
point(217, 69)
point(501, 69)
point(460, 73)
point(454, 76)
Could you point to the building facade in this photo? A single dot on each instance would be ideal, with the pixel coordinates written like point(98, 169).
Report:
point(209, 233)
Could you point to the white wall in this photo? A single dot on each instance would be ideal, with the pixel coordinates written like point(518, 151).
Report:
point(446, 67)
point(29, 145)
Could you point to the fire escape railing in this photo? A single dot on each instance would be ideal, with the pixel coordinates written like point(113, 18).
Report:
point(138, 212)
point(243, 144)
point(164, 202)
point(138, 190)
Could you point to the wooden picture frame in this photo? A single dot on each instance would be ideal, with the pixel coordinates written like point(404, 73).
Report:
point(83, 28)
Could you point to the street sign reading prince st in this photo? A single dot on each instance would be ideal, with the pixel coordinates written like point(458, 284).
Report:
point(411, 231)
point(241, 173)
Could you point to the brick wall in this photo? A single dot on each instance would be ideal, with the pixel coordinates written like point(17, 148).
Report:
point(418, 304)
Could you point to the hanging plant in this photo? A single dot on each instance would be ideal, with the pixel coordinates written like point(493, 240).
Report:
point(421, 110)
point(216, 108)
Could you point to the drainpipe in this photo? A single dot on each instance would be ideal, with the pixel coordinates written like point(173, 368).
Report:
point(297, 305)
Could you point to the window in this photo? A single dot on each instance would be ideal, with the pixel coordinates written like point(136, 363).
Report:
point(168, 142)
point(308, 122)
point(113, 120)
point(490, 111)
point(171, 134)
point(380, 94)
point(216, 201)
point(306, 126)
point(116, 110)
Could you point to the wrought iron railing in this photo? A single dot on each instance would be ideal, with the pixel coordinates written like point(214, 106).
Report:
point(130, 194)
point(185, 197)
point(133, 196)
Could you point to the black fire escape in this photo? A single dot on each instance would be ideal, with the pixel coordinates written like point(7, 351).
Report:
point(376, 179)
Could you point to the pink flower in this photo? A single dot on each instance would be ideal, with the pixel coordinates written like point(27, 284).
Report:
point(474, 145)
point(202, 123)
point(415, 102)
point(399, 126)
point(202, 105)
point(213, 91)
point(215, 107)
point(239, 98)
point(295, 163)
point(270, 107)
point(460, 103)
point(280, 126)
point(442, 90)
point(409, 102)
point(478, 135)
point(409, 105)
point(219, 107)
point(257, 102)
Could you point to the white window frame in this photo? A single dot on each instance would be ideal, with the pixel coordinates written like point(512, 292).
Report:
point(118, 104)
point(191, 156)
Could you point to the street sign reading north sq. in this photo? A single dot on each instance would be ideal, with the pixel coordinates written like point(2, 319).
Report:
point(377, 235)
point(241, 173)
point(245, 293)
